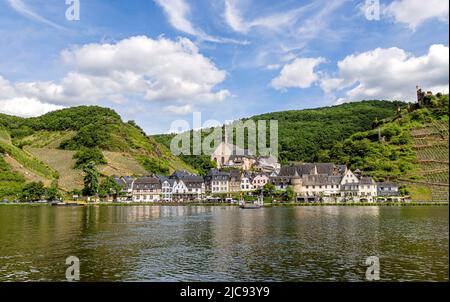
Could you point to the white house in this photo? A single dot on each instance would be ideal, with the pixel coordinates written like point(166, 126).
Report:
point(146, 189)
point(246, 183)
point(218, 182)
point(167, 189)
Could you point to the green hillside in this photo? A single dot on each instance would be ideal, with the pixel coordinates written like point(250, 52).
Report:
point(48, 146)
point(303, 133)
point(411, 148)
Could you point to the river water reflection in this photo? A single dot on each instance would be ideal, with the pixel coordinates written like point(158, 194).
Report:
point(153, 243)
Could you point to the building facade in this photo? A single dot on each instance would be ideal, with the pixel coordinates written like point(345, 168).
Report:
point(311, 182)
point(146, 189)
point(217, 182)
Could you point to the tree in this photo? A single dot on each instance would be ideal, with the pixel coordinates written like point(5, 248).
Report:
point(91, 182)
point(33, 191)
point(87, 155)
point(52, 192)
point(289, 195)
point(404, 191)
point(155, 166)
point(269, 189)
point(109, 187)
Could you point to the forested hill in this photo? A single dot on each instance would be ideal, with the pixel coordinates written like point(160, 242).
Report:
point(304, 133)
point(55, 146)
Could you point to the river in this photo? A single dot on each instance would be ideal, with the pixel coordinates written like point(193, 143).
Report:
point(165, 243)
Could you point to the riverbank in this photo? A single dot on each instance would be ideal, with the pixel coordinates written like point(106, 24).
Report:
point(267, 205)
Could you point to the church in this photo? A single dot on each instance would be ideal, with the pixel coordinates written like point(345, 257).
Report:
point(227, 155)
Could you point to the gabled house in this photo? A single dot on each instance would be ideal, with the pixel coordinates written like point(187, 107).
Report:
point(260, 180)
point(166, 188)
point(246, 182)
point(146, 189)
point(217, 182)
point(367, 189)
point(326, 182)
point(186, 186)
point(235, 181)
point(388, 189)
point(126, 182)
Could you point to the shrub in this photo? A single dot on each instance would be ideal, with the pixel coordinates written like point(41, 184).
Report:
point(87, 155)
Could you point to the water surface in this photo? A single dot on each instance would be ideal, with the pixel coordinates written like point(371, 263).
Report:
point(153, 243)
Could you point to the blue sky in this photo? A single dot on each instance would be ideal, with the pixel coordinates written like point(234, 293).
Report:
point(156, 61)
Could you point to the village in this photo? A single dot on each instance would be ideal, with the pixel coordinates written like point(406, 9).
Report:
point(240, 174)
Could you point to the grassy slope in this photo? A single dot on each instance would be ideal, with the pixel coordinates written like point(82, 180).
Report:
point(431, 146)
point(35, 147)
point(26, 160)
point(414, 151)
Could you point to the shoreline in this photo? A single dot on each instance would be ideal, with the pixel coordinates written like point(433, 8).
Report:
point(117, 204)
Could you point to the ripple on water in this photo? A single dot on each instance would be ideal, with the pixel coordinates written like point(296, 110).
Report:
point(224, 243)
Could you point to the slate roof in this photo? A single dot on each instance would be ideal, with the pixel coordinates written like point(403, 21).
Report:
point(147, 182)
point(320, 179)
point(235, 175)
point(308, 168)
point(193, 182)
point(367, 181)
point(387, 184)
point(181, 174)
point(126, 182)
point(120, 181)
point(215, 174)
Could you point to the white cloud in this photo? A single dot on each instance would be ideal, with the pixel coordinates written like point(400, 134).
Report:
point(180, 110)
point(415, 12)
point(299, 74)
point(178, 11)
point(330, 84)
point(11, 102)
point(391, 73)
point(26, 107)
point(24, 10)
point(234, 19)
point(273, 66)
point(283, 33)
point(134, 68)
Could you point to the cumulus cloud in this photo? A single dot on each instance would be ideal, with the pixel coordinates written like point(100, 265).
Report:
point(26, 107)
point(137, 67)
point(300, 73)
point(415, 12)
point(12, 102)
point(157, 69)
point(390, 73)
